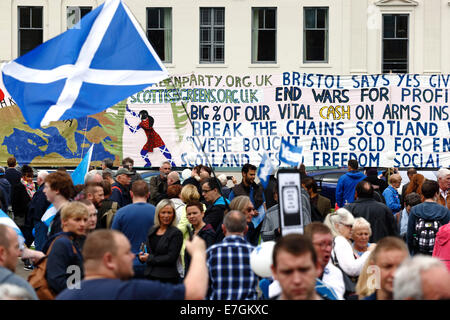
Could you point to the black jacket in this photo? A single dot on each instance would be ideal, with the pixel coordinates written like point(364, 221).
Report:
point(162, 262)
point(38, 205)
point(158, 189)
point(206, 233)
point(214, 215)
point(380, 217)
point(258, 193)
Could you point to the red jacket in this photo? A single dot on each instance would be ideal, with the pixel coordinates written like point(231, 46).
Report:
point(442, 245)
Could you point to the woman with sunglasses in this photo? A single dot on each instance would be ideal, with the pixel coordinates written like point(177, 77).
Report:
point(341, 222)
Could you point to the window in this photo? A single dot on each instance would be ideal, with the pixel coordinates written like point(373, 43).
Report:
point(159, 32)
point(264, 34)
point(395, 43)
point(74, 15)
point(315, 35)
point(212, 35)
point(30, 28)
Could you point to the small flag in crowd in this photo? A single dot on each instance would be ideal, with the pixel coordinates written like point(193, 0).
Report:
point(265, 170)
point(78, 176)
point(290, 154)
point(6, 220)
point(102, 60)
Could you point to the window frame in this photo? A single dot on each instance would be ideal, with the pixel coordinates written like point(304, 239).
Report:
point(326, 29)
point(275, 29)
point(161, 10)
point(212, 43)
point(19, 28)
point(408, 15)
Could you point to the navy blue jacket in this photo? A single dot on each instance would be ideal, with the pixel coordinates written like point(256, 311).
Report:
point(61, 257)
point(38, 205)
point(6, 188)
point(428, 211)
point(120, 195)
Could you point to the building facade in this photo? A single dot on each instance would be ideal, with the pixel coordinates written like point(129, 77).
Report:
point(260, 36)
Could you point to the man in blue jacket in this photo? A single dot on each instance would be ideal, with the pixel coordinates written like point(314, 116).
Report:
point(345, 189)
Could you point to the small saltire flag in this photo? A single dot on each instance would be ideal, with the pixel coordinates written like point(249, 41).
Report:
point(78, 176)
point(265, 170)
point(102, 60)
point(290, 154)
point(6, 220)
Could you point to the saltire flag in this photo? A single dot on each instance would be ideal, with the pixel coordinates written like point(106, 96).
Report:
point(290, 154)
point(6, 220)
point(265, 170)
point(101, 61)
point(78, 176)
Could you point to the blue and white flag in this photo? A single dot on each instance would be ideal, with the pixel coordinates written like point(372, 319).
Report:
point(78, 176)
point(81, 171)
point(6, 220)
point(101, 61)
point(290, 154)
point(265, 170)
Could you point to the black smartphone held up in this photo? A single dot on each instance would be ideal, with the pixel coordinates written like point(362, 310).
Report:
point(290, 201)
point(191, 232)
point(229, 177)
point(143, 248)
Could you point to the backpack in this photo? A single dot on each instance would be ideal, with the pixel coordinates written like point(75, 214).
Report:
point(37, 277)
point(108, 216)
point(425, 235)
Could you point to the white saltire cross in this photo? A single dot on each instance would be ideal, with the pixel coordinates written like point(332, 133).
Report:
point(80, 72)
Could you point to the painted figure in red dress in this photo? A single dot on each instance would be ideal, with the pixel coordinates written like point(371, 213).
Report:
point(153, 138)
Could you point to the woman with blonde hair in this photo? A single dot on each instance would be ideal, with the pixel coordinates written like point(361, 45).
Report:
point(364, 287)
point(341, 222)
point(164, 243)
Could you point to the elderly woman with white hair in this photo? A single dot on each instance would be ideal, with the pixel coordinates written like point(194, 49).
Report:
point(342, 255)
point(361, 233)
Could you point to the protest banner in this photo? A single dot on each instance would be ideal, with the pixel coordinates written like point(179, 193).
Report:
point(399, 120)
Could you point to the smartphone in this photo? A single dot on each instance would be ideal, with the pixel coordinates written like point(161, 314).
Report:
point(229, 177)
point(191, 232)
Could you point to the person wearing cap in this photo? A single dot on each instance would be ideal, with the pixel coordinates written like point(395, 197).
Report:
point(120, 188)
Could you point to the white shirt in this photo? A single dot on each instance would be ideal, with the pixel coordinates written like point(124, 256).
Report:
point(343, 253)
point(333, 278)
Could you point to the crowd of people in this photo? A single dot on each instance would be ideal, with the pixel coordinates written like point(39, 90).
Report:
point(118, 237)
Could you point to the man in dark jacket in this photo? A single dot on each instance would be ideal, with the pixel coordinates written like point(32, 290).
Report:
point(158, 184)
point(120, 188)
point(429, 211)
point(380, 217)
point(12, 174)
point(36, 209)
point(217, 203)
point(249, 188)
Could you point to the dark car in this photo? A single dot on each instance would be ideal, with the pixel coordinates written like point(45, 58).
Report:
point(327, 181)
